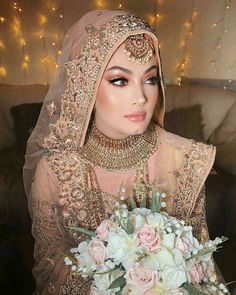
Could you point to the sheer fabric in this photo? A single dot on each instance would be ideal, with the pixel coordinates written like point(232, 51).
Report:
point(65, 189)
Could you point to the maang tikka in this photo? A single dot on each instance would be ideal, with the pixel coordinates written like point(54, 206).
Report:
point(138, 48)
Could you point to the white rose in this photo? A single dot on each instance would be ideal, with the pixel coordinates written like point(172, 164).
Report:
point(178, 257)
point(101, 281)
point(164, 257)
point(122, 248)
point(157, 220)
point(174, 277)
point(151, 261)
point(168, 241)
point(86, 260)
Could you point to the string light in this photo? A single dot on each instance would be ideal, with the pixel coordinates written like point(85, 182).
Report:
point(189, 25)
point(3, 71)
point(99, 4)
point(42, 19)
point(2, 45)
point(2, 19)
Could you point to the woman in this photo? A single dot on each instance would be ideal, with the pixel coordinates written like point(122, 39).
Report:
point(101, 125)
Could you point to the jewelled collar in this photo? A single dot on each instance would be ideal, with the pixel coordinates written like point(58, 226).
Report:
point(119, 155)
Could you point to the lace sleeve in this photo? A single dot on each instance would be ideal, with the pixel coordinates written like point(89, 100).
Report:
point(51, 274)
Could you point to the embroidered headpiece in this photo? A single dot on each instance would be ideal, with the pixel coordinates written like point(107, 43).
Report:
point(138, 49)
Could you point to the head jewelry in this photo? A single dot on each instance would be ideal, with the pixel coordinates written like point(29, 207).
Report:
point(138, 49)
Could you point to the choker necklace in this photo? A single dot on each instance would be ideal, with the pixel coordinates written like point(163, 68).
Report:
point(119, 154)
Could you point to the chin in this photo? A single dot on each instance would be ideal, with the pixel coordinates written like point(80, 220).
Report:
point(139, 130)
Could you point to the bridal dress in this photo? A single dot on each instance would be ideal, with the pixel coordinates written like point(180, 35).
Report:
point(73, 172)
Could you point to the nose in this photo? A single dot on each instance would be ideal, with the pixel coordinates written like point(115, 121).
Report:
point(139, 97)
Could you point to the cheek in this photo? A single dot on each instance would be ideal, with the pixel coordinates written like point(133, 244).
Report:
point(153, 97)
point(108, 101)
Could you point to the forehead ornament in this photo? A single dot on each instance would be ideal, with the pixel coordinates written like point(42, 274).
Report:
point(138, 48)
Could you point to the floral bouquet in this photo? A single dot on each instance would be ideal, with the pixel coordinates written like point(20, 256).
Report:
point(145, 252)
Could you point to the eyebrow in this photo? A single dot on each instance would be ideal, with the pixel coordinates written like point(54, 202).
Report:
point(130, 72)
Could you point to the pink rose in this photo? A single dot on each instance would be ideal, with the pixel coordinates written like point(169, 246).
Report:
point(102, 230)
point(196, 273)
point(97, 251)
point(147, 236)
point(182, 244)
point(141, 277)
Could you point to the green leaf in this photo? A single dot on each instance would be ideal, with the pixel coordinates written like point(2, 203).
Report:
point(85, 231)
point(155, 202)
point(144, 203)
point(192, 290)
point(129, 227)
point(119, 282)
point(132, 203)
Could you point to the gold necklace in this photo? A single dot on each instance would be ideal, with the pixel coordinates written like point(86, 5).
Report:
point(119, 154)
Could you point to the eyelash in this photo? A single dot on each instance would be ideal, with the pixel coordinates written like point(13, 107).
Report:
point(154, 80)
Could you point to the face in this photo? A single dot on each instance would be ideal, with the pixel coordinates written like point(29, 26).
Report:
point(127, 96)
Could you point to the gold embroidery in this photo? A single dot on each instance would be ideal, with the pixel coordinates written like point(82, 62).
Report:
point(189, 180)
point(78, 99)
point(138, 49)
point(75, 285)
point(119, 155)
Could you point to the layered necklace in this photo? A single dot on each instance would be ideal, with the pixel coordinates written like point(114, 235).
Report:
point(119, 154)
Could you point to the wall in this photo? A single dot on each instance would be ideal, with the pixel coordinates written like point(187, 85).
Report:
point(197, 37)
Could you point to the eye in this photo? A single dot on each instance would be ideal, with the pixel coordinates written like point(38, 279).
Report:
point(118, 81)
point(153, 80)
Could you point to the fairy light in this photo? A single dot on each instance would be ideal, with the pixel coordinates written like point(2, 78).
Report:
point(99, 4)
point(2, 45)
point(3, 71)
point(42, 19)
point(189, 26)
point(2, 19)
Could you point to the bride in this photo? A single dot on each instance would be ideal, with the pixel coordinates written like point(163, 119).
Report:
point(101, 125)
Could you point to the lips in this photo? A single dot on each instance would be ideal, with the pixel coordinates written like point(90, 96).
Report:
point(136, 116)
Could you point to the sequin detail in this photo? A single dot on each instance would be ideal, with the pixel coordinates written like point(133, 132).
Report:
point(189, 178)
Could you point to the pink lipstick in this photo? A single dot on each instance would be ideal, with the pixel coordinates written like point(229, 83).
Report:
point(136, 116)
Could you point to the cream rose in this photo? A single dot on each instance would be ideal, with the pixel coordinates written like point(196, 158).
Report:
point(148, 236)
point(174, 276)
point(141, 277)
point(97, 251)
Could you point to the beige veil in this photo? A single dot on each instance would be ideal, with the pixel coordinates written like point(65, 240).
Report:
point(67, 108)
